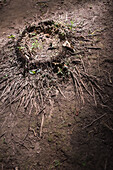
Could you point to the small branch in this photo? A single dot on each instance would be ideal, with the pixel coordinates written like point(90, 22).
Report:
point(61, 91)
point(42, 123)
point(31, 129)
point(41, 110)
point(2, 135)
point(105, 106)
point(94, 95)
point(94, 48)
point(94, 121)
point(83, 65)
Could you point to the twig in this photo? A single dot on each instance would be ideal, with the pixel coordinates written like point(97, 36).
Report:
point(94, 121)
point(41, 110)
point(79, 85)
point(105, 167)
point(43, 1)
point(35, 104)
point(83, 65)
point(2, 135)
point(75, 83)
point(107, 107)
point(94, 95)
point(29, 98)
point(42, 123)
point(94, 48)
point(110, 128)
point(51, 110)
point(31, 106)
point(60, 91)
point(100, 95)
point(31, 129)
point(84, 86)
point(88, 76)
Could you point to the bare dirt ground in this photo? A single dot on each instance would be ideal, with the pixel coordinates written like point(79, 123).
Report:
point(63, 133)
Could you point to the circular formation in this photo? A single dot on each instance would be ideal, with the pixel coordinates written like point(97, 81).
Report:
point(42, 43)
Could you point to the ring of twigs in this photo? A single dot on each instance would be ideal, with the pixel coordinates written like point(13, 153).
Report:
point(48, 51)
point(42, 44)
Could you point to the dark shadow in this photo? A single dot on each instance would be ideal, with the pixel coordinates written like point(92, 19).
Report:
point(93, 146)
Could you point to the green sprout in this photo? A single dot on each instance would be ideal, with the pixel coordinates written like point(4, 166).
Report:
point(56, 24)
point(11, 36)
point(20, 48)
point(32, 72)
point(33, 34)
point(71, 25)
point(35, 44)
point(4, 141)
point(56, 163)
point(83, 163)
point(60, 71)
point(72, 22)
point(6, 75)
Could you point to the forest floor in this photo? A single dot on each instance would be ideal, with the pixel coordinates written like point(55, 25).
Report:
point(68, 130)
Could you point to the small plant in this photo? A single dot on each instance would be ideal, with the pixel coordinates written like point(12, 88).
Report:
point(35, 44)
point(33, 34)
point(11, 36)
point(20, 48)
point(50, 139)
point(4, 141)
point(56, 24)
point(32, 71)
point(83, 163)
point(71, 25)
point(60, 71)
point(57, 163)
point(6, 75)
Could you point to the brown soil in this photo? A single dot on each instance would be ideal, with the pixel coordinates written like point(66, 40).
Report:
point(59, 131)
